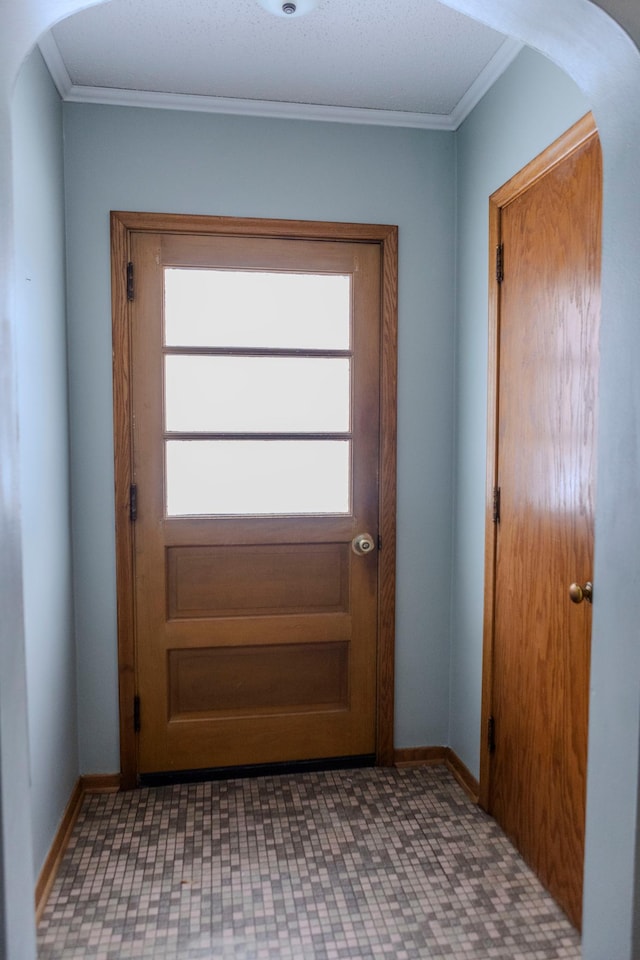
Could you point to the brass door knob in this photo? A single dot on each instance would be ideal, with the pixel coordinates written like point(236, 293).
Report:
point(362, 544)
point(578, 593)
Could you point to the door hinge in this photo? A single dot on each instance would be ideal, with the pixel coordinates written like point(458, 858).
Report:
point(136, 714)
point(133, 503)
point(496, 505)
point(491, 734)
point(500, 263)
point(130, 287)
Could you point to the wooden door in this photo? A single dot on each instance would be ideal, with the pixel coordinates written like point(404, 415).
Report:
point(547, 223)
point(255, 415)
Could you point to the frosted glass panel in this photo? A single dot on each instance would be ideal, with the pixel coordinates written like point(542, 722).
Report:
point(257, 394)
point(239, 308)
point(231, 477)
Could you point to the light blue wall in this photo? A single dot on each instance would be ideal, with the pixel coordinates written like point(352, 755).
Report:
point(140, 159)
point(44, 449)
point(609, 69)
point(528, 108)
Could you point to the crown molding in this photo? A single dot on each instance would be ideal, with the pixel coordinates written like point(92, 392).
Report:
point(112, 96)
point(502, 58)
point(273, 109)
point(55, 64)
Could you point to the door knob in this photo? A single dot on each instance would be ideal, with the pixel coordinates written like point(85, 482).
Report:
point(578, 593)
point(362, 544)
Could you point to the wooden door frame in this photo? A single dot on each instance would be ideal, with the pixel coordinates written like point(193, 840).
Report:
point(561, 148)
point(123, 224)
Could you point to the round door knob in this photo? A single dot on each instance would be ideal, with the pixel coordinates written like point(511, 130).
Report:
point(362, 544)
point(578, 593)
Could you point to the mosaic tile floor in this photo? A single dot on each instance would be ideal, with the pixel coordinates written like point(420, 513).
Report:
point(318, 866)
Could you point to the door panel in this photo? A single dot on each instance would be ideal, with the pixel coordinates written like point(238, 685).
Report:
point(547, 399)
point(251, 580)
point(256, 624)
point(275, 678)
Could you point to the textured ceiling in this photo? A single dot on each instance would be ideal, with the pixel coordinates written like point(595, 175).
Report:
point(414, 56)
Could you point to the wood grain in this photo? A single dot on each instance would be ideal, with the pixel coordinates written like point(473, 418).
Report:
point(169, 223)
point(463, 775)
point(542, 419)
point(253, 631)
point(256, 574)
point(249, 580)
point(491, 528)
point(387, 497)
point(95, 783)
point(258, 681)
point(408, 757)
point(123, 452)
point(411, 757)
point(52, 862)
point(101, 783)
point(128, 231)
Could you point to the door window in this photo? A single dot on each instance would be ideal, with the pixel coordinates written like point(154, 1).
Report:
point(257, 393)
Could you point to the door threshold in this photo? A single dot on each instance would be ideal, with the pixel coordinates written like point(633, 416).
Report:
point(166, 778)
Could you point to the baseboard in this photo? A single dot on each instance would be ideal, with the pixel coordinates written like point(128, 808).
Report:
point(58, 847)
point(429, 756)
point(419, 756)
point(100, 783)
point(95, 783)
point(463, 775)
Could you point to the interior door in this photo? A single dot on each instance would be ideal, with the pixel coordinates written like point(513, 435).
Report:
point(255, 410)
point(549, 224)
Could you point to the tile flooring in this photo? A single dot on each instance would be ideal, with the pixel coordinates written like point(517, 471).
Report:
point(367, 863)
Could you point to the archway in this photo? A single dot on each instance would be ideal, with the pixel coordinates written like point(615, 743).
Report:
point(598, 55)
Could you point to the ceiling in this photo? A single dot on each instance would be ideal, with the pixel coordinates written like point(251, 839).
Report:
point(413, 63)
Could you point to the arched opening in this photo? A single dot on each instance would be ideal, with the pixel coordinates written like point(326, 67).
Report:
point(581, 39)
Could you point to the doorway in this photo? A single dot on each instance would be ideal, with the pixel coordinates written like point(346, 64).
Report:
point(254, 392)
point(545, 228)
